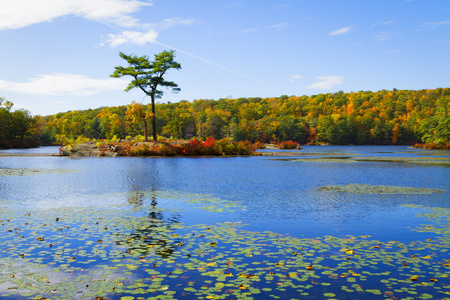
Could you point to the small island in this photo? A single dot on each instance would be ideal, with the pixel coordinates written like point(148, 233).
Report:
point(210, 147)
point(194, 147)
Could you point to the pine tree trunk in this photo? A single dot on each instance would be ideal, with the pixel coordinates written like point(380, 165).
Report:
point(155, 138)
point(145, 131)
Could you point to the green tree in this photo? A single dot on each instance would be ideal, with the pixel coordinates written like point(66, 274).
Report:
point(148, 76)
point(290, 128)
point(17, 128)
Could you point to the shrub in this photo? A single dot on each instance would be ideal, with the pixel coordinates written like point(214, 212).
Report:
point(288, 145)
point(433, 146)
point(195, 147)
point(259, 145)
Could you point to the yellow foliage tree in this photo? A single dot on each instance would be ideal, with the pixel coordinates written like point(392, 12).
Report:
point(138, 113)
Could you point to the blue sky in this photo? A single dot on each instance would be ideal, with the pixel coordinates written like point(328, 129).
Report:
point(57, 55)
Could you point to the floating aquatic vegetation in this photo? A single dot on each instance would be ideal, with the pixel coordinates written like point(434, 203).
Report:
point(339, 159)
point(347, 159)
point(128, 253)
point(377, 189)
point(215, 204)
point(439, 221)
point(411, 160)
point(198, 201)
point(301, 153)
point(29, 172)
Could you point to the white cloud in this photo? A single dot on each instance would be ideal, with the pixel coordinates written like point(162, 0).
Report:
point(340, 31)
point(247, 30)
point(280, 26)
point(326, 82)
point(131, 37)
point(388, 22)
point(243, 31)
point(143, 37)
point(438, 23)
point(385, 36)
point(292, 78)
point(170, 22)
point(21, 13)
point(382, 23)
point(233, 4)
point(64, 84)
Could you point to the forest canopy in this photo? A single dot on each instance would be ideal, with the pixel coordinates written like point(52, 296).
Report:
point(357, 118)
point(18, 129)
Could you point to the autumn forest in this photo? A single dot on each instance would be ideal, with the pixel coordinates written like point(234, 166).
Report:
point(355, 118)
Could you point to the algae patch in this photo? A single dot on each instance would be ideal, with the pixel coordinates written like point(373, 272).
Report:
point(444, 161)
point(377, 189)
point(30, 172)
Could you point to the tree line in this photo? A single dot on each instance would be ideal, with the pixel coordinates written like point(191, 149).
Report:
point(359, 118)
point(18, 129)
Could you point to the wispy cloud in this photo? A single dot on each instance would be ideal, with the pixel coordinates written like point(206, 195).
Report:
point(395, 51)
point(194, 56)
point(21, 13)
point(326, 82)
point(292, 78)
point(284, 5)
point(280, 26)
point(247, 30)
point(340, 31)
point(385, 23)
point(131, 37)
point(382, 36)
point(147, 35)
point(440, 23)
point(233, 4)
point(388, 22)
point(168, 23)
point(216, 65)
point(64, 84)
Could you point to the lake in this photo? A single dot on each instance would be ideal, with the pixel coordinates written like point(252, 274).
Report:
point(335, 222)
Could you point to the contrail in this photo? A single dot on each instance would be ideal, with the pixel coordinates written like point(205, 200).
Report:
point(199, 58)
point(213, 64)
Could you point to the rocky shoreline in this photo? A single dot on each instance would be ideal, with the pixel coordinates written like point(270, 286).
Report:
point(88, 149)
point(91, 149)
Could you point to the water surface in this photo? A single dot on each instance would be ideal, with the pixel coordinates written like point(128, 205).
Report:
point(260, 196)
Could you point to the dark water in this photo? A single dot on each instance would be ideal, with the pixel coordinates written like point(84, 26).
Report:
point(273, 194)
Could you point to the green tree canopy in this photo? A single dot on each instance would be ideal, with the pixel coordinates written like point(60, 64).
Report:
point(149, 76)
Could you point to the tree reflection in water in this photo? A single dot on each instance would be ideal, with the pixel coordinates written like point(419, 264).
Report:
point(154, 233)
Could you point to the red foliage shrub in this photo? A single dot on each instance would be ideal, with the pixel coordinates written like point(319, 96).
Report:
point(288, 145)
point(259, 145)
point(433, 146)
point(210, 147)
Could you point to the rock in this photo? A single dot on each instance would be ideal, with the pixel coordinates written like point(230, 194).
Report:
point(95, 153)
point(88, 149)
